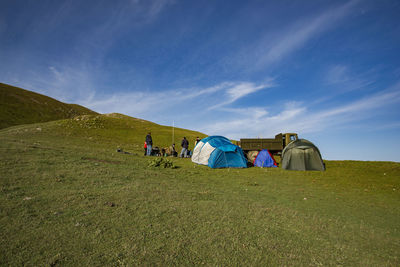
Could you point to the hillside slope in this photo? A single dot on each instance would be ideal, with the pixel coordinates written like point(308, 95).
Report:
point(108, 131)
point(20, 106)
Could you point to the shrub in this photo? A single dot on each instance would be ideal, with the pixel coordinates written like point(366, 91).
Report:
point(161, 162)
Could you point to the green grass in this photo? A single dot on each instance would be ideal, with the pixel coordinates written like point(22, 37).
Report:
point(120, 131)
point(19, 106)
point(67, 198)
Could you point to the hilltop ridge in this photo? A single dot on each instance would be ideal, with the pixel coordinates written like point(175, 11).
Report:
point(111, 129)
point(20, 106)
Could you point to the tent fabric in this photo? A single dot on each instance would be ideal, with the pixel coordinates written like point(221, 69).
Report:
point(251, 156)
point(302, 155)
point(264, 159)
point(202, 152)
point(218, 152)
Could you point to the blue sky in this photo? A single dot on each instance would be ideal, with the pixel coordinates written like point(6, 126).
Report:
point(328, 70)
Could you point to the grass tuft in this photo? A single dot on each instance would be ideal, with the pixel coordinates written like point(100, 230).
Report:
point(161, 162)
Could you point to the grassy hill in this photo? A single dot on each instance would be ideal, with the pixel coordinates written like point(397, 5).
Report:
point(68, 198)
point(19, 106)
point(118, 131)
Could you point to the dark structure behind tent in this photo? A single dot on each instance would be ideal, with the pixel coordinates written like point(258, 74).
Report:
point(302, 155)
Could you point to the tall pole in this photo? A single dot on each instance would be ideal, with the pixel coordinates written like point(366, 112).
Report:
point(173, 131)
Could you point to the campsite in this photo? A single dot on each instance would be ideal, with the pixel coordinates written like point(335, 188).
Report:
point(200, 133)
point(69, 198)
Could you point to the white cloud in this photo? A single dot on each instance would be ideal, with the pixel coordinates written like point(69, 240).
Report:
point(209, 110)
point(256, 112)
point(74, 84)
point(298, 117)
point(157, 6)
point(300, 32)
point(67, 84)
point(200, 100)
point(242, 89)
point(337, 74)
point(235, 91)
point(76, 72)
point(344, 80)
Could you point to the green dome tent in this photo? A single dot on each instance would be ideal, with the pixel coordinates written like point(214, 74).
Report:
point(302, 155)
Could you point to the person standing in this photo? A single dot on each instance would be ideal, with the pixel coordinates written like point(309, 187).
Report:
point(185, 146)
point(145, 148)
point(173, 151)
point(149, 143)
point(197, 141)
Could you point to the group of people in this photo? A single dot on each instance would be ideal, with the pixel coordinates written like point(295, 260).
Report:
point(185, 152)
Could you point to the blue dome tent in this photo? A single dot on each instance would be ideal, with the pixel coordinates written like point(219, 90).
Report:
point(218, 152)
point(264, 159)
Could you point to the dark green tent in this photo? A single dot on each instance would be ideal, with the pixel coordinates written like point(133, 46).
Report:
point(302, 155)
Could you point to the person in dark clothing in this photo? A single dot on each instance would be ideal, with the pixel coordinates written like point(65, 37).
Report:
point(197, 141)
point(149, 143)
point(185, 146)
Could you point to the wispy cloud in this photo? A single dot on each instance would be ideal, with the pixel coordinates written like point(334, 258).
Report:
point(298, 34)
point(341, 76)
point(198, 108)
point(337, 74)
point(235, 91)
point(198, 100)
point(157, 6)
point(71, 84)
point(241, 90)
point(78, 68)
point(299, 117)
point(260, 124)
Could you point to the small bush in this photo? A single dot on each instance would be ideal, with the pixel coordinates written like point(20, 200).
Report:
point(161, 162)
